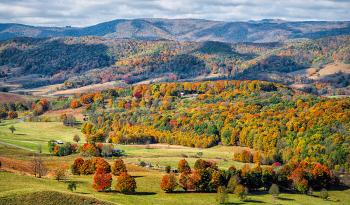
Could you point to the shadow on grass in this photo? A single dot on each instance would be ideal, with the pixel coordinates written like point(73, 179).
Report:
point(78, 192)
point(254, 201)
point(137, 176)
point(285, 199)
point(340, 187)
point(135, 193)
point(20, 134)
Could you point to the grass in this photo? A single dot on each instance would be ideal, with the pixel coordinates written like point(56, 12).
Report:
point(31, 134)
point(15, 188)
point(148, 192)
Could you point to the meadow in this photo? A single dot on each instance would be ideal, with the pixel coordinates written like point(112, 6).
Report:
point(16, 186)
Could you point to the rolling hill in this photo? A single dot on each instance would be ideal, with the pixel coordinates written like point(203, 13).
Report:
point(81, 61)
point(267, 30)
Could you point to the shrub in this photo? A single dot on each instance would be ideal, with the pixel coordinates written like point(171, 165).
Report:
point(76, 166)
point(118, 167)
point(12, 115)
point(183, 166)
point(125, 183)
point(76, 138)
point(168, 169)
point(102, 180)
point(324, 194)
point(75, 104)
point(168, 183)
point(232, 168)
point(274, 190)
point(241, 192)
point(222, 195)
point(87, 168)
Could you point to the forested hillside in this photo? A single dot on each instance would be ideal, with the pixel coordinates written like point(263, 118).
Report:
point(279, 123)
point(88, 60)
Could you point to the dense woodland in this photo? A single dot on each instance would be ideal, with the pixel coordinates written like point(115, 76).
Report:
point(276, 122)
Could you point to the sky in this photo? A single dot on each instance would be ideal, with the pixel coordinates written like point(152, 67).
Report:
point(90, 12)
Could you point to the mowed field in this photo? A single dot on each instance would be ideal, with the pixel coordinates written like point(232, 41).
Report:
point(19, 186)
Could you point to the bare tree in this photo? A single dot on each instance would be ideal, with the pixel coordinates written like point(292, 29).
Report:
point(38, 167)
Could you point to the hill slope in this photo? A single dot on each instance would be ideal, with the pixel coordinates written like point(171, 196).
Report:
point(187, 30)
point(89, 60)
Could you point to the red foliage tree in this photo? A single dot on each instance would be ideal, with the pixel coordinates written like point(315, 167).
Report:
point(12, 115)
point(102, 180)
point(76, 166)
point(75, 104)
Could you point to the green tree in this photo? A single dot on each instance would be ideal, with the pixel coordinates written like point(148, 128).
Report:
point(72, 186)
point(12, 129)
point(222, 196)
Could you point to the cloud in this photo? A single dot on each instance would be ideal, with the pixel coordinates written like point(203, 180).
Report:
point(89, 12)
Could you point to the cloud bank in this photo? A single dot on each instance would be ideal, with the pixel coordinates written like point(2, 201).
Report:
point(90, 12)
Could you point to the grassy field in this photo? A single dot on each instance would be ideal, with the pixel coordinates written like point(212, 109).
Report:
point(16, 187)
point(31, 134)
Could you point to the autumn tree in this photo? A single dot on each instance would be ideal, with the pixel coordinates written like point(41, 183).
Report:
point(38, 167)
point(87, 168)
point(75, 104)
point(186, 181)
point(60, 173)
point(125, 183)
point(76, 166)
point(102, 164)
point(168, 183)
point(118, 167)
point(102, 180)
point(183, 166)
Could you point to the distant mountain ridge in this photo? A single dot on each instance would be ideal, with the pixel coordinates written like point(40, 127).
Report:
point(268, 30)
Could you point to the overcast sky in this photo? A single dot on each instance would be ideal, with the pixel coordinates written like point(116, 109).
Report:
point(89, 12)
